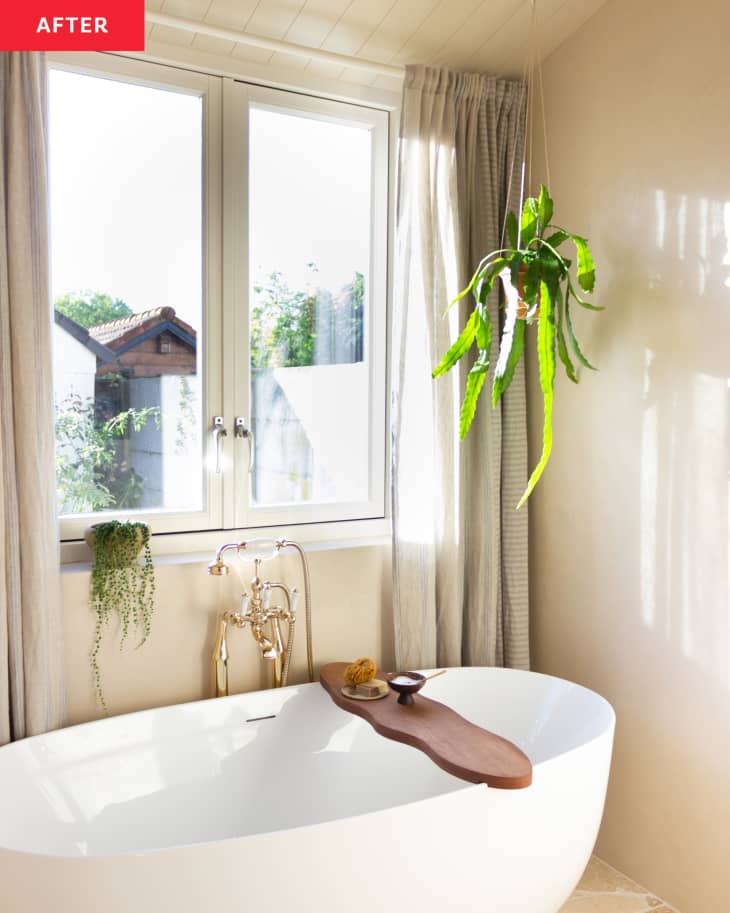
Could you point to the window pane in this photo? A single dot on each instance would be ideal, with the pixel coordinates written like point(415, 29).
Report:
point(310, 228)
point(126, 235)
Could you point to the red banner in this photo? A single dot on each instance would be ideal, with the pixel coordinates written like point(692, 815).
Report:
point(72, 25)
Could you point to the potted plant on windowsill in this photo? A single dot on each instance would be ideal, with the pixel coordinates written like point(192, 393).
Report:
point(538, 289)
point(120, 584)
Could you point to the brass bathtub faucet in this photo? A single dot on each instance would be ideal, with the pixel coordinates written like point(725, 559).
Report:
point(265, 621)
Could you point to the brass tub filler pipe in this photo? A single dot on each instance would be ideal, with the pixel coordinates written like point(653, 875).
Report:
point(256, 611)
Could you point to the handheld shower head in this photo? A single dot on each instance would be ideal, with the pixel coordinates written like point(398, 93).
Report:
point(218, 568)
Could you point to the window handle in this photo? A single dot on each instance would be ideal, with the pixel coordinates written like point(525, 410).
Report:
point(241, 429)
point(218, 430)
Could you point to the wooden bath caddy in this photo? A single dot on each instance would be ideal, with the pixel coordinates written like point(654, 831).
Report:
point(453, 743)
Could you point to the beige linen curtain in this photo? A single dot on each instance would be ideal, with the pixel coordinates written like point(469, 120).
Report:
point(31, 654)
point(460, 548)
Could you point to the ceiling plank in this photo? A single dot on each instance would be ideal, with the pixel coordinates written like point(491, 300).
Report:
point(188, 9)
point(272, 18)
point(393, 32)
point(571, 16)
point(356, 25)
point(230, 14)
point(507, 52)
point(487, 19)
point(315, 21)
point(447, 17)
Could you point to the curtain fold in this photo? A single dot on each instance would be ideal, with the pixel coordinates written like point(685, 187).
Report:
point(31, 648)
point(460, 547)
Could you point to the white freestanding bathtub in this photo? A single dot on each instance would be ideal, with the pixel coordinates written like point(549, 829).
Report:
point(278, 800)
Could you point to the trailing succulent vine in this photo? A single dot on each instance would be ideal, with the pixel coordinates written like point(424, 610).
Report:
point(538, 282)
point(121, 584)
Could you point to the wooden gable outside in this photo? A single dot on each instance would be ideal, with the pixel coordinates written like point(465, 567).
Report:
point(154, 348)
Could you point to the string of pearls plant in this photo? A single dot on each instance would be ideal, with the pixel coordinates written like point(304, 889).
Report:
point(121, 585)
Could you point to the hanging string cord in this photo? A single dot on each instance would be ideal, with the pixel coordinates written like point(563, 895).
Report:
point(542, 109)
point(525, 91)
point(531, 79)
point(510, 180)
point(532, 56)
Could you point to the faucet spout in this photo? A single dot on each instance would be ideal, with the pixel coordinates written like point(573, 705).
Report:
point(220, 659)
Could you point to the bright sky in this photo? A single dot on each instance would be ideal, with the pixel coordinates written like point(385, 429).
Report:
point(126, 189)
point(309, 198)
point(125, 192)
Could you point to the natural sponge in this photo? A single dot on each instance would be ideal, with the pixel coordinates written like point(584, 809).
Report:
point(362, 670)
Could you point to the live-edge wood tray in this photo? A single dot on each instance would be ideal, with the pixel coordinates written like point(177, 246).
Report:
point(453, 743)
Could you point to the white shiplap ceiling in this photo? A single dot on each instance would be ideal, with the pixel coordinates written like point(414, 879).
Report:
point(488, 36)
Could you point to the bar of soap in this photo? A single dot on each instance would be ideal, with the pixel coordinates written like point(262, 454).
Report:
point(372, 688)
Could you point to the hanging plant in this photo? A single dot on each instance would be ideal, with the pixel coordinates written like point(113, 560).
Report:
point(120, 584)
point(538, 289)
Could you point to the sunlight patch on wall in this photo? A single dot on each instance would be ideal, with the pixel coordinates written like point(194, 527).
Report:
point(684, 545)
point(648, 500)
point(726, 225)
point(707, 529)
point(661, 218)
point(696, 230)
point(682, 227)
point(702, 243)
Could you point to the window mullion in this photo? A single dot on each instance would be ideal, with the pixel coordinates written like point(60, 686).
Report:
point(235, 283)
point(213, 380)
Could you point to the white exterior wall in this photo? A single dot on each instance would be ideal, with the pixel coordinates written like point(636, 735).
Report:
point(74, 366)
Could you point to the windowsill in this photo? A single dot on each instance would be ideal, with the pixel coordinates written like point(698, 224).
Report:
point(193, 548)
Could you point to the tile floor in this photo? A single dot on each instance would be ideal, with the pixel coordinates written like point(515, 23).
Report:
point(604, 890)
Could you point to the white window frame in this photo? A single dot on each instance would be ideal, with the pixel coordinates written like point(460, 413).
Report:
point(227, 507)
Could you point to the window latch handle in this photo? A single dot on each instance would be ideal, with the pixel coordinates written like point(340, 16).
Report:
point(241, 429)
point(218, 430)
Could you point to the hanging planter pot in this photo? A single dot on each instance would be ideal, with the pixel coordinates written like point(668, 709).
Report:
point(141, 535)
point(514, 296)
point(538, 287)
point(121, 585)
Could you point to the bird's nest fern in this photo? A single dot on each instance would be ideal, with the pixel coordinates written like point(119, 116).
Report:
point(540, 287)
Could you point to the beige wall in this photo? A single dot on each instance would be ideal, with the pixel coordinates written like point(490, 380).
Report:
point(351, 608)
point(629, 527)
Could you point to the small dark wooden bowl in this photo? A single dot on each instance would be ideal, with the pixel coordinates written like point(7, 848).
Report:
point(406, 690)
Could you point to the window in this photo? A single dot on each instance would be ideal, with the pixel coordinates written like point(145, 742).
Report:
point(218, 274)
